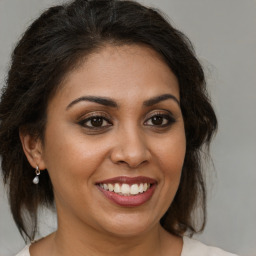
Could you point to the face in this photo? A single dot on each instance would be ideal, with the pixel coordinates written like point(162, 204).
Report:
point(114, 141)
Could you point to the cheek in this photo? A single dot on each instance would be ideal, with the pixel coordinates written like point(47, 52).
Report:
point(171, 153)
point(171, 156)
point(69, 160)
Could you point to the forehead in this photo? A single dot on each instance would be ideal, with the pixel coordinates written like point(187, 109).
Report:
point(120, 72)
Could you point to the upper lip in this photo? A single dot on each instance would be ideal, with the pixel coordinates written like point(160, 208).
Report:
point(128, 180)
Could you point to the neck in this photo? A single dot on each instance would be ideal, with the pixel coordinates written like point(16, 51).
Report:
point(76, 240)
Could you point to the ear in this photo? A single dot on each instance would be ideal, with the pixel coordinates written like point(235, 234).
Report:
point(33, 149)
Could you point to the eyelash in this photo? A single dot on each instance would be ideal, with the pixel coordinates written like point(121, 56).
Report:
point(167, 118)
point(95, 116)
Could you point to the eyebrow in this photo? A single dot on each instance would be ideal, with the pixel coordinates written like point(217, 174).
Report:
point(100, 100)
point(160, 98)
point(111, 103)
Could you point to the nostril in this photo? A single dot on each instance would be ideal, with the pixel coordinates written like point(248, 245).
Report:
point(130, 164)
point(132, 154)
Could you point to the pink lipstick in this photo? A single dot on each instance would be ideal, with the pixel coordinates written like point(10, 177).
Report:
point(128, 191)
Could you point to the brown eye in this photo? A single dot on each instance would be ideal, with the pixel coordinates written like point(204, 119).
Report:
point(95, 122)
point(160, 120)
point(157, 120)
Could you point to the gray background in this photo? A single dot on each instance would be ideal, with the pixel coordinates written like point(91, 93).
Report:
point(224, 35)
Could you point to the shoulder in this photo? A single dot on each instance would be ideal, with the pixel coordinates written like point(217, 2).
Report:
point(193, 247)
point(24, 252)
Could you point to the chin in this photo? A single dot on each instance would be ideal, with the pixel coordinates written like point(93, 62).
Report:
point(129, 226)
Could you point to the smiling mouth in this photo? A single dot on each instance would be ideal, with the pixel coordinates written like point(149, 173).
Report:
point(126, 189)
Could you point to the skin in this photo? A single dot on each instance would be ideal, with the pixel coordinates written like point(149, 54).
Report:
point(128, 143)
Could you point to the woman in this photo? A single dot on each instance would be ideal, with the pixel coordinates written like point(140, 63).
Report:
point(104, 115)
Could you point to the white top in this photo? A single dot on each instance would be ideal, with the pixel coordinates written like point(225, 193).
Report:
point(191, 247)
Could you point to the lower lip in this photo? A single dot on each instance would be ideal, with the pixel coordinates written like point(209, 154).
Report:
point(129, 201)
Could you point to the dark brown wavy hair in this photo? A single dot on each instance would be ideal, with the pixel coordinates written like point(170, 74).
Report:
point(54, 45)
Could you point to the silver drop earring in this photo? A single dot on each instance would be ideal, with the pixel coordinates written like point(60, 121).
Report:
point(36, 179)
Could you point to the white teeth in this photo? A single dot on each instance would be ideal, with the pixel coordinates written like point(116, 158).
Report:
point(141, 188)
point(134, 189)
point(117, 188)
point(145, 187)
point(126, 189)
point(110, 187)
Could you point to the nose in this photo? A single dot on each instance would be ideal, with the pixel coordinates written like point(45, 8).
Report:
point(130, 148)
